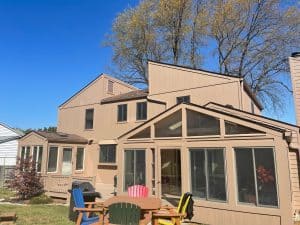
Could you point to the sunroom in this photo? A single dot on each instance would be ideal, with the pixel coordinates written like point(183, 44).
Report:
point(234, 166)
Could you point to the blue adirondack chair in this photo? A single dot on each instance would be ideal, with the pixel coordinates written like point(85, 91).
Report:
point(83, 216)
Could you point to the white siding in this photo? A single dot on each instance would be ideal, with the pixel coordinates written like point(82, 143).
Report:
point(4, 131)
point(9, 151)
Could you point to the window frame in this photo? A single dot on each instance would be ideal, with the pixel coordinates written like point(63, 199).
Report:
point(57, 159)
point(86, 119)
point(205, 149)
point(138, 114)
point(123, 173)
point(38, 153)
point(255, 177)
point(115, 150)
point(83, 158)
point(181, 99)
point(120, 107)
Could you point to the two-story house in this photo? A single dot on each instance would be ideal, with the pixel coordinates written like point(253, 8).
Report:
point(192, 130)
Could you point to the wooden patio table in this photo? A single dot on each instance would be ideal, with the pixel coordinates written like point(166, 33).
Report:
point(147, 204)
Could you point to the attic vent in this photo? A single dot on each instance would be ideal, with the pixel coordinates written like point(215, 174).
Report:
point(110, 86)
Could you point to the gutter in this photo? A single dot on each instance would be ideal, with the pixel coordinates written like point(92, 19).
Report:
point(288, 136)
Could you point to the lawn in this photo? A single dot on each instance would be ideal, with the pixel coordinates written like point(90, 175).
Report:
point(39, 214)
point(6, 194)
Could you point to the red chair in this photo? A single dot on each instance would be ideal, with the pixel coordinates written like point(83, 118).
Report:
point(137, 191)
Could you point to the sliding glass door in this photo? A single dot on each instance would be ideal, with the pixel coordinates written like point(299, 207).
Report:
point(134, 168)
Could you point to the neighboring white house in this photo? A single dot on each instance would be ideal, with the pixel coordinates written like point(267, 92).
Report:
point(8, 145)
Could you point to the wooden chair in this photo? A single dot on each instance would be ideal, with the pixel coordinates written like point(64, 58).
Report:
point(171, 215)
point(137, 191)
point(84, 213)
point(124, 213)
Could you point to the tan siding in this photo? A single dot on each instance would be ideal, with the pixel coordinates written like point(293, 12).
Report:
point(295, 182)
point(295, 75)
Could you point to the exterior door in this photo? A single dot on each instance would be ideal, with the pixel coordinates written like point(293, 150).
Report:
point(170, 172)
point(67, 162)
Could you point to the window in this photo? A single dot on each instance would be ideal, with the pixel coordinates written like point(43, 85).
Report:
point(134, 170)
point(37, 157)
point(141, 111)
point(79, 158)
point(199, 124)
point(208, 173)
point(122, 112)
point(107, 154)
point(256, 177)
point(52, 159)
point(142, 134)
point(171, 126)
point(183, 99)
point(233, 128)
point(25, 153)
point(89, 118)
point(110, 86)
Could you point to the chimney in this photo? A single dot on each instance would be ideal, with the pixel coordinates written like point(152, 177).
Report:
point(295, 77)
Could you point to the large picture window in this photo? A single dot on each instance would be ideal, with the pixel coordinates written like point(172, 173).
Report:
point(37, 157)
point(135, 168)
point(52, 159)
point(208, 173)
point(256, 177)
point(107, 154)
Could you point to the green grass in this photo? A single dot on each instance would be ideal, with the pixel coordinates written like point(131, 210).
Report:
point(6, 194)
point(39, 214)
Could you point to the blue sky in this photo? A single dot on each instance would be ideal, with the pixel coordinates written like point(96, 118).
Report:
point(49, 50)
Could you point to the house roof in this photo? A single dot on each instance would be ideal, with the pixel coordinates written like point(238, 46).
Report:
point(132, 95)
point(59, 137)
point(251, 114)
point(17, 131)
point(86, 86)
point(4, 139)
point(245, 85)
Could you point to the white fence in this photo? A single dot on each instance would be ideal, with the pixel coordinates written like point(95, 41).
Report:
point(7, 165)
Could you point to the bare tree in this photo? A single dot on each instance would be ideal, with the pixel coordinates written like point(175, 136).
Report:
point(251, 39)
point(254, 39)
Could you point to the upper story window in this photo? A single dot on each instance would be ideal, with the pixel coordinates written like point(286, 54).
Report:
point(122, 112)
point(183, 99)
point(89, 118)
point(141, 111)
point(110, 86)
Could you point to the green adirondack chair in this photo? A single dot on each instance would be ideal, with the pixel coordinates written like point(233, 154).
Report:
point(124, 213)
